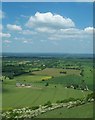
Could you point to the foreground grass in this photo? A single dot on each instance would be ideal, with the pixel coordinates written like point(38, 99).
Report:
point(14, 97)
point(38, 94)
point(83, 111)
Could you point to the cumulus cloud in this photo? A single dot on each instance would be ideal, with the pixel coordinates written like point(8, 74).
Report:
point(50, 20)
point(45, 30)
point(72, 33)
point(49, 26)
point(89, 30)
point(14, 27)
point(5, 35)
point(28, 32)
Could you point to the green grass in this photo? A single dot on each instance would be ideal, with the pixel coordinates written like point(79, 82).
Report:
point(14, 97)
point(88, 76)
point(26, 79)
point(31, 78)
point(69, 79)
point(83, 111)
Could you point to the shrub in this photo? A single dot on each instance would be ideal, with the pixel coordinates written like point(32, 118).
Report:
point(49, 104)
point(35, 107)
point(90, 96)
point(47, 84)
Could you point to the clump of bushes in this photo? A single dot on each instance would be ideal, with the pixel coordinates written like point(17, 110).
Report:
point(47, 84)
point(48, 104)
point(90, 97)
point(35, 107)
point(68, 100)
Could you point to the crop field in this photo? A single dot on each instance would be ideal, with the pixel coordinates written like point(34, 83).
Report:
point(56, 72)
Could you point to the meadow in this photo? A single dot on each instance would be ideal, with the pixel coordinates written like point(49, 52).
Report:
point(38, 93)
point(48, 81)
point(84, 111)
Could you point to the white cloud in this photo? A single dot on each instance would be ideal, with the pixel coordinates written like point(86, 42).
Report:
point(28, 32)
point(45, 30)
point(49, 20)
point(72, 33)
point(89, 30)
point(5, 35)
point(7, 41)
point(25, 41)
point(19, 38)
point(49, 26)
point(14, 27)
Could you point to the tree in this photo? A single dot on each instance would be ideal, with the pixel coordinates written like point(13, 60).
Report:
point(47, 84)
point(49, 104)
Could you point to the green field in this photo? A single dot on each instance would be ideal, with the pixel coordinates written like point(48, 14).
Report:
point(84, 111)
point(14, 97)
point(46, 84)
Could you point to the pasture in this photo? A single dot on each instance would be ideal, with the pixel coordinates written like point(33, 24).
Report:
point(38, 94)
point(83, 111)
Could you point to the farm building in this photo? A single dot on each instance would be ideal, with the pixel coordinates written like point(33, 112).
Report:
point(22, 85)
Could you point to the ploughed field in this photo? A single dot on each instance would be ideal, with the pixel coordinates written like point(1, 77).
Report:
point(41, 83)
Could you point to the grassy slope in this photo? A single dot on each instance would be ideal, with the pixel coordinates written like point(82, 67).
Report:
point(84, 111)
point(20, 97)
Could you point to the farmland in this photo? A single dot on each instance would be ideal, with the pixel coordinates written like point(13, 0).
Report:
point(33, 81)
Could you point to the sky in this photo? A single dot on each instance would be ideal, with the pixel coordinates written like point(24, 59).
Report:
point(38, 27)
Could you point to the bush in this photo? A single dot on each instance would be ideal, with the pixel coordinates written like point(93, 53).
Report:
point(64, 101)
point(67, 100)
point(90, 96)
point(47, 84)
point(49, 104)
point(35, 107)
point(72, 99)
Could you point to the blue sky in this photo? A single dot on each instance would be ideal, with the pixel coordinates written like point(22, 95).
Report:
point(47, 27)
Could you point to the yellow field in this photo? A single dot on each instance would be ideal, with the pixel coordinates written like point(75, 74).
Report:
point(56, 72)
